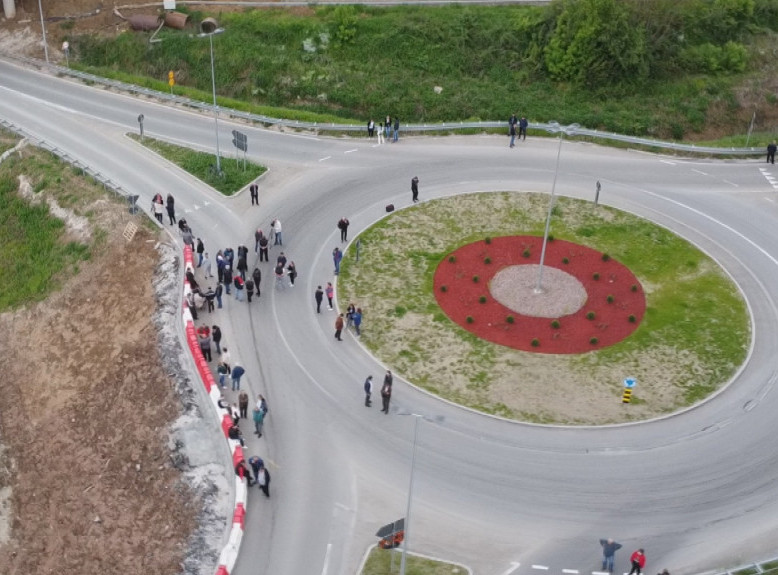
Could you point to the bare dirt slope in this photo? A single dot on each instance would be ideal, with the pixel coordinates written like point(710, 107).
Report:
point(85, 410)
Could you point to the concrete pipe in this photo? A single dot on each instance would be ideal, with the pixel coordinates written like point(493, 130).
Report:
point(176, 20)
point(144, 22)
point(10, 9)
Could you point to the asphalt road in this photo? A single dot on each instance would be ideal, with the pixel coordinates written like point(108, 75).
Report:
point(697, 490)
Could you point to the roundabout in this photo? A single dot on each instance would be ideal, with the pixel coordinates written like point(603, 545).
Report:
point(463, 318)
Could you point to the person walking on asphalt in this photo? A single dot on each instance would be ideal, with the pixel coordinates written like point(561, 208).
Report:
point(388, 378)
point(337, 255)
point(291, 272)
point(368, 390)
point(216, 335)
point(330, 291)
point(259, 419)
point(171, 209)
point(254, 189)
point(609, 548)
point(638, 560)
point(415, 189)
point(338, 327)
point(357, 319)
point(243, 405)
point(319, 297)
point(257, 276)
point(263, 480)
point(386, 395)
point(771, 149)
point(523, 124)
point(343, 227)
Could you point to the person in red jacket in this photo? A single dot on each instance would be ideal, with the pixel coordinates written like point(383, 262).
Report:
point(638, 560)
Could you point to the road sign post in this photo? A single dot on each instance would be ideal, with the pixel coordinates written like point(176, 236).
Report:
point(171, 80)
point(629, 384)
point(240, 141)
point(140, 122)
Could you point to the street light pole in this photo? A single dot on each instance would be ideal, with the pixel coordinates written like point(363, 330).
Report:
point(43, 30)
point(417, 417)
point(569, 130)
point(215, 107)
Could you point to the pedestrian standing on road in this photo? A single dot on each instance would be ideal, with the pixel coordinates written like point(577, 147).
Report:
point(609, 548)
point(368, 390)
point(396, 129)
point(386, 396)
point(227, 273)
point(512, 133)
point(277, 232)
point(292, 272)
point(263, 248)
point(238, 282)
point(771, 149)
point(338, 327)
point(242, 266)
point(236, 373)
point(159, 208)
point(210, 295)
point(318, 296)
point(357, 319)
point(330, 291)
point(200, 250)
point(249, 289)
point(343, 227)
point(256, 463)
point(207, 266)
point(263, 480)
point(523, 124)
point(227, 359)
point(337, 255)
point(219, 291)
point(216, 335)
point(256, 275)
point(415, 189)
point(281, 260)
point(380, 133)
point(171, 209)
point(257, 236)
point(187, 237)
point(254, 189)
point(388, 127)
point(205, 344)
point(638, 561)
point(388, 378)
point(259, 419)
point(262, 404)
point(370, 128)
point(350, 315)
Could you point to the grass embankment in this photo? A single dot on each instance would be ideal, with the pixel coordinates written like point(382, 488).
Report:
point(37, 252)
point(693, 337)
point(352, 63)
point(379, 562)
point(234, 176)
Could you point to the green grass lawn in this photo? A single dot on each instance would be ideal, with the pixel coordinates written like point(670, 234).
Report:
point(380, 560)
point(234, 175)
point(695, 333)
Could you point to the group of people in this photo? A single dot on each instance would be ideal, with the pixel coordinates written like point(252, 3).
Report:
point(386, 391)
point(158, 207)
point(517, 127)
point(637, 559)
point(255, 466)
point(387, 129)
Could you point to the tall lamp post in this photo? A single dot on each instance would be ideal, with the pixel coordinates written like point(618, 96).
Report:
point(43, 31)
point(554, 128)
point(417, 417)
point(208, 28)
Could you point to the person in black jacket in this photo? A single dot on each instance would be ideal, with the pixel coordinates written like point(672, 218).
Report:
point(771, 148)
point(257, 276)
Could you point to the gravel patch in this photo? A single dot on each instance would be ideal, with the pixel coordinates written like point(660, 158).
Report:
point(514, 287)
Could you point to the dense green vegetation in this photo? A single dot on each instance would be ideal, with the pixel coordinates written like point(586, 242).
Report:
point(36, 253)
point(235, 174)
point(646, 67)
point(380, 562)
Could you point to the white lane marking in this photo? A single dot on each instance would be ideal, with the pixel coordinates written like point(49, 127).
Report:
point(326, 559)
point(699, 172)
point(540, 567)
point(731, 183)
point(667, 162)
point(573, 571)
point(770, 200)
point(324, 158)
point(600, 573)
point(350, 151)
point(512, 568)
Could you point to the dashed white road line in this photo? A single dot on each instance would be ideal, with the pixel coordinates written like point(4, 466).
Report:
point(512, 568)
point(350, 151)
point(326, 559)
point(699, 172)
point(668, 162)
point(770, 200)
point(731, 183)
point(540, 567)
point(324, 158)
point(572, 571)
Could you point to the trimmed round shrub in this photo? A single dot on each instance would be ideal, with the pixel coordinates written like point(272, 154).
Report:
point(550, 238)
point(593, 340)
point(510, 319)
point(555, 324)
point(482, 299)
point(595, 276)
point(488, 240)
point(609, 299)
point(632, 319)
point(469, 319)
point(605, 257)
point(590, 315)
point(535, 342)
point(525, 253)
point(475, 279)
point(452, 259)
point(565, 261)
point(634, 287)
point(487, 261)
point(444, 289)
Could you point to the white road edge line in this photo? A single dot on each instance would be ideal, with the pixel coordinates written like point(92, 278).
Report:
point(326, 559)
point(512, 568)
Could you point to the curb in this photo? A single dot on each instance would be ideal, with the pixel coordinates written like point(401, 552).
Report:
point(229, 553)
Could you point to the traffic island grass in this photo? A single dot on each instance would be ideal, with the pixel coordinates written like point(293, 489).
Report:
point(379, 562)
point(693, 337)
point(235, 175)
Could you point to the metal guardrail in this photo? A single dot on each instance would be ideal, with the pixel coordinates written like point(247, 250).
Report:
point(333, 127)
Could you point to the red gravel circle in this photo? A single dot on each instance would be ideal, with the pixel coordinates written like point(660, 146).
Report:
point(459, 296)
